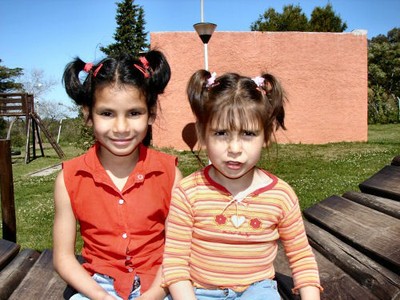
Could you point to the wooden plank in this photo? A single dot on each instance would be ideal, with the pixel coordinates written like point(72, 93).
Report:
point(385, 205)
point(42, 281)
point(7, 192)
point(8, 250)
point(337, 283)
point(369, 231)
point(14, 272)
point(384, 183)
point(370, 275)
point(396, 161)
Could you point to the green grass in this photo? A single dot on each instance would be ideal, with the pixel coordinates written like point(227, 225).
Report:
point(314, 171)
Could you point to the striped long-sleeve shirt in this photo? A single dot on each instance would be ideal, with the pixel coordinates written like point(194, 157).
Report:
point(218, 242)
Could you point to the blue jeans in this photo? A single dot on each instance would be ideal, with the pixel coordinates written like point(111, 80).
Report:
point(262, 290)
point(107, 283)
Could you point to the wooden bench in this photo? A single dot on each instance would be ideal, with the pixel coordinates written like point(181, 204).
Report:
point(356, 240)
point(355, 237)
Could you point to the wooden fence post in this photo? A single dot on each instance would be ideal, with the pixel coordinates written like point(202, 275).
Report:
point(7, 192)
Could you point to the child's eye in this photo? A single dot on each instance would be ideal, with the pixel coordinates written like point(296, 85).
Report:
point(220, 133)
point(249, 133)
point(106, 114)
point(134, 113)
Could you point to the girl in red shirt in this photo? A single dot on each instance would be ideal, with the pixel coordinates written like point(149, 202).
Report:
point(119, 191)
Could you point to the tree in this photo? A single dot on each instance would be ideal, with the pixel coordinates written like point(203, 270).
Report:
point(8, 77)
point(8, 83)
point(291, 19)
point(323, 19)
point(384, 77)
point(35, 83)
point(130, 36)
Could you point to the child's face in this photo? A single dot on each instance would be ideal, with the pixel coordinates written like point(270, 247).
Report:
point(234, 153)
point(120, 119)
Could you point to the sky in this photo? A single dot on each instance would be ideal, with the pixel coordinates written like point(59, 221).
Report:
point(47, 34)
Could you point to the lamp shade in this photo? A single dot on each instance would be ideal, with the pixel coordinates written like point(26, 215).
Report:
point(205, 30)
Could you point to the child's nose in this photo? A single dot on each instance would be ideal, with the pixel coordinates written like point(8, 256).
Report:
point(235, 145)
point(120, 125)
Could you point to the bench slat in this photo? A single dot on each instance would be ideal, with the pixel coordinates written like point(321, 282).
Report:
point(371, 232)
point(42, 281)
point(15, 271)
point(8, 250)
point(384, 183)
point(336, 282)
point(384, 283)
point(384, 205)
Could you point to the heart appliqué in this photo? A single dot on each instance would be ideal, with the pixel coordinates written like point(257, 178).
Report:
point(237, 221)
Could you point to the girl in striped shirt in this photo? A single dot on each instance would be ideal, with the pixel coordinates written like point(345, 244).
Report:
point(225, 220)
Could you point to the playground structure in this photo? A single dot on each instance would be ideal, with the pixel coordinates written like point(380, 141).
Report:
point(21, 105)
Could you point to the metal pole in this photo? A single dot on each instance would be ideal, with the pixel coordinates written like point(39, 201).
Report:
point(205, 57)
point(202, 11)
point(59, 131)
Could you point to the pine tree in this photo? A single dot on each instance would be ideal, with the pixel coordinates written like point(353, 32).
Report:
point(129, 36)
point(7, 79)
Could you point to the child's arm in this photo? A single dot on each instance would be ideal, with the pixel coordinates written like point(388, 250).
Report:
point(310, 293)
point(64, 234)
point(182, 290)
point(298, 250)
point(178, 177)
point(155, 291)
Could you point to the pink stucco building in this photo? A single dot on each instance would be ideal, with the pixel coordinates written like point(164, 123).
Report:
point(324, 75)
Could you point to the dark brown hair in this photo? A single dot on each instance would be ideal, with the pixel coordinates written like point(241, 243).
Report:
point(237, 102)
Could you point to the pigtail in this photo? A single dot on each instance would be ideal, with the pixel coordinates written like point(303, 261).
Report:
point(75, 89)
point(276, 97)
point(159, 71)
point(196, 90)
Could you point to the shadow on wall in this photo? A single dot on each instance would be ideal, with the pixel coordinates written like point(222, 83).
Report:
point(189, 135)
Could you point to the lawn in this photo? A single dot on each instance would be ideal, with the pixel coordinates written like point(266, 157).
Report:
point(314, 171)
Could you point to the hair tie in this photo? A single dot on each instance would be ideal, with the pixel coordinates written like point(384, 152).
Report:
point(87, 67)
point(259, 81)
point(97, 70)
point(145, 69)
point(211, 80)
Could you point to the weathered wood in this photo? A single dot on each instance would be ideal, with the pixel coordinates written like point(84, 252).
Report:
point(15, 104)
point(384, 183)
point(7, 192)
point(54, 144)
point(42, 281)
point(337, 283)
point(373, 277)
point(396, 161)
point(387, 206)
point(8, 250)
point(12, 275)
point(371, 232)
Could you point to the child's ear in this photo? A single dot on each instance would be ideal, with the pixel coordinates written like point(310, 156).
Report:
point(151, 120)
point(86, 115)
point(152, 116)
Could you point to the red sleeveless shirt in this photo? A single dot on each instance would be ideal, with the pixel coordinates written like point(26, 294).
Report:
point(123, 231)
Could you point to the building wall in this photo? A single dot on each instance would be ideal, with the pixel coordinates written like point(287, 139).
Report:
point(324, 75)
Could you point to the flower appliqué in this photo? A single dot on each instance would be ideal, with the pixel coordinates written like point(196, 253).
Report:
point(220, 219)
point(255, 223)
